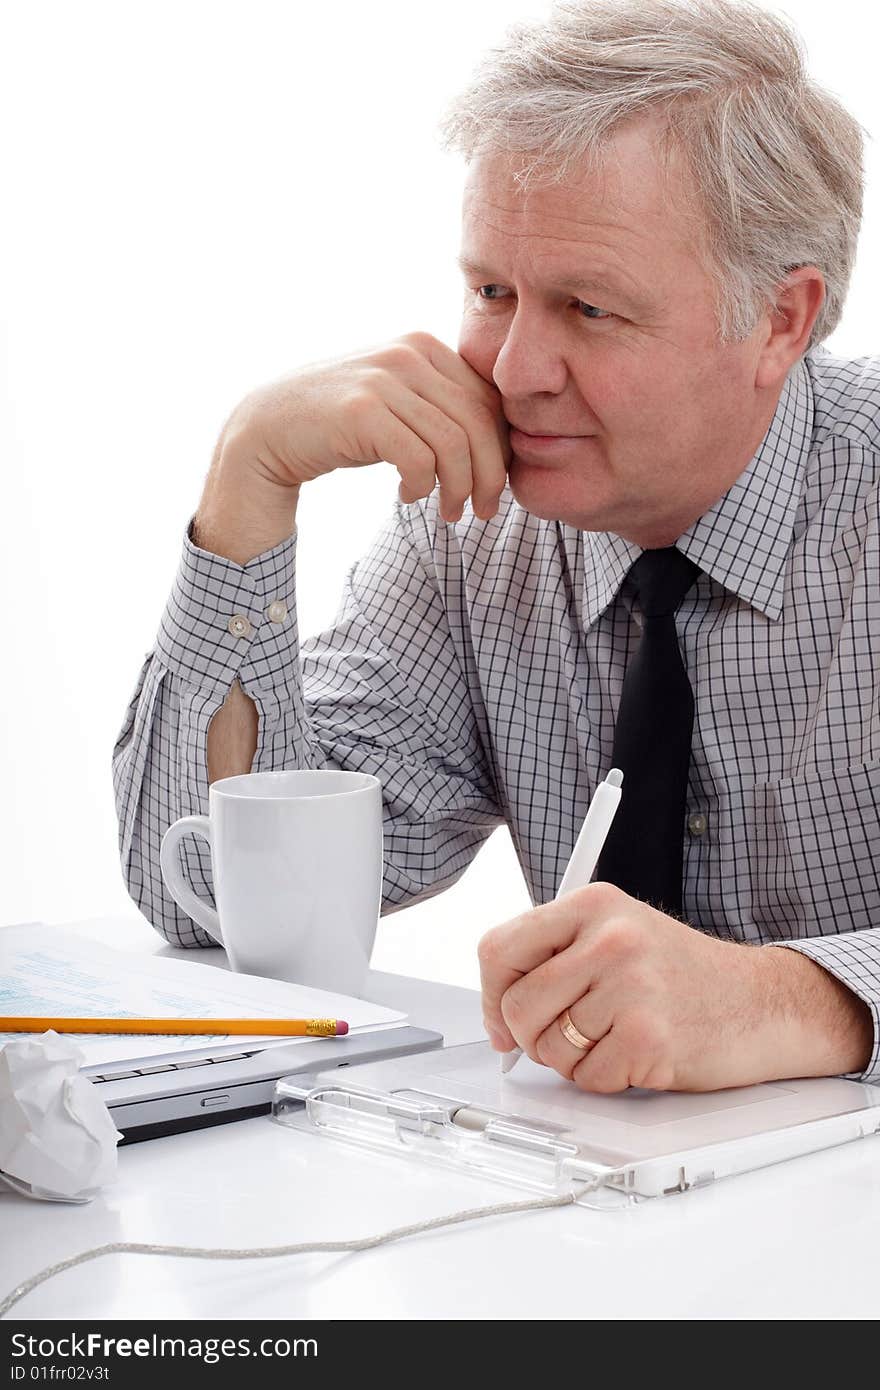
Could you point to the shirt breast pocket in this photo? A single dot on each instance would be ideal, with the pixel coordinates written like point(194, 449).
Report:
point(816, 853)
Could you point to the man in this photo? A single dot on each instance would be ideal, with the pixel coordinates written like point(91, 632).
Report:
point(659, 224)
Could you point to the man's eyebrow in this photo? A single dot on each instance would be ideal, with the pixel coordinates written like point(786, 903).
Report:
point(575, 282)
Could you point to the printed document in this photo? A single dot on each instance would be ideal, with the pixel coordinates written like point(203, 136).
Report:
point(48, 972)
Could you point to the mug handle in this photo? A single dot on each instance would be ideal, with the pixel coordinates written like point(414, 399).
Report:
point(169, 861)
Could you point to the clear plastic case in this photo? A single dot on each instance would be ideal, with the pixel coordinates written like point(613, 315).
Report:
point(537, 1132)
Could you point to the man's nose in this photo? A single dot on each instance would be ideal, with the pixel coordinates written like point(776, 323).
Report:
point(529, 360)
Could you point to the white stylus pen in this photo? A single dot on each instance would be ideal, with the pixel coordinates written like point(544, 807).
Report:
point(584, 857)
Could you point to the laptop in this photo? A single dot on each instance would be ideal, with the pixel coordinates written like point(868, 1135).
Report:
point(171, 1093)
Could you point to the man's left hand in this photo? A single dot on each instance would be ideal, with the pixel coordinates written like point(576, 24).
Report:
point(666, 1007)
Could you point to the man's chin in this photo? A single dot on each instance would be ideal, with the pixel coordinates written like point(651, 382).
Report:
point(551, 497)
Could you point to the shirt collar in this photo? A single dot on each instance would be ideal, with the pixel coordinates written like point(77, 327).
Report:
point(743, 540)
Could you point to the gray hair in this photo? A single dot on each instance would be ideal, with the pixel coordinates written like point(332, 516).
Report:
point(775, 160)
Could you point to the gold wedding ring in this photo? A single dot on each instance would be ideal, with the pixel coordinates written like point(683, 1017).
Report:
point(571, 1033)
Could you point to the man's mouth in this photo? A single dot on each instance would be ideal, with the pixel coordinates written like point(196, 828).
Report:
point(524, 444)
point(545, 434)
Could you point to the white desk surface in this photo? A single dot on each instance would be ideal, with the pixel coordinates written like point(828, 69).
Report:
point(796, 1241)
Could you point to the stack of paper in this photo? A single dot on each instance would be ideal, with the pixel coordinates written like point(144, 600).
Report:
point(47, 972)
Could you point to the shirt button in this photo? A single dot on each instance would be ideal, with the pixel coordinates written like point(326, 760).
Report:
point(239, 625)
point(697, 823)
point(277, 611)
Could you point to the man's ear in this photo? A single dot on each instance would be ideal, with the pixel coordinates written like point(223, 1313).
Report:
point(799, 301)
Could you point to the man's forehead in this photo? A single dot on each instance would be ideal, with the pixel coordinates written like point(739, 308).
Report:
point(627, 172)
point(629, 191)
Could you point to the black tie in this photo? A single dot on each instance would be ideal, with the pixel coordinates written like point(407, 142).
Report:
point(652, 742)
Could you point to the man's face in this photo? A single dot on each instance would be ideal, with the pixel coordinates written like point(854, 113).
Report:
point(593, 316)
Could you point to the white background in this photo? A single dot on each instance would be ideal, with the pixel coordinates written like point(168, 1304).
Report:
point(199, 197)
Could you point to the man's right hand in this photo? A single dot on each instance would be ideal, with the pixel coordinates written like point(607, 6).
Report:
point(414, 403)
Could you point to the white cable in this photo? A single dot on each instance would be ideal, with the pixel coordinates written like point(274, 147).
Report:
point(307, 1248)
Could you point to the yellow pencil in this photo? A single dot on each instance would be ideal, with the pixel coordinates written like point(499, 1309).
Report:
point(281, 1027)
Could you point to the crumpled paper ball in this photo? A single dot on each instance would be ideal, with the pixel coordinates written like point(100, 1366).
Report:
point(57, 1140)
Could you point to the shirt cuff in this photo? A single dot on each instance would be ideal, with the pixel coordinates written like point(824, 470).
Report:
point(224, 620)
point(855, 963)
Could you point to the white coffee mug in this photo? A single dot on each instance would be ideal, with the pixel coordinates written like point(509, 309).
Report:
point(297, 871)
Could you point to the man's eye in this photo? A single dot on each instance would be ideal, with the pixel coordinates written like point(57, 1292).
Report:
point(591, 311)
point(594, 313)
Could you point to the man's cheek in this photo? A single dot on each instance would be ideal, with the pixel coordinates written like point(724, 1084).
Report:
point(650, 413)
point(616, 389)
point(478, 350)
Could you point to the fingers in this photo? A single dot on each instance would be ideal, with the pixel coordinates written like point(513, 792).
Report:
point(434, 392)
point(606, 1064)
point(532, 1005)
point(411, 455)
point(490, 439)
point(606, 1067)
point(591, 1016)
point(413, 403)
point(509, 952)
point(450, 445)
point(463, 437)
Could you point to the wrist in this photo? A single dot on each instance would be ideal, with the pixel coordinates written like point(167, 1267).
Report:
point(243, 512)
point(819, 1026)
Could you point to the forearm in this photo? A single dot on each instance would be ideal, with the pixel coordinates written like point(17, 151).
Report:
point(232, 736)
point(240, 515)
point(242, 512)
point(821, 1028)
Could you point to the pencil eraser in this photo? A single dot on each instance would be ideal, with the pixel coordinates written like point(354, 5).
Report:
point(341, 1028)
